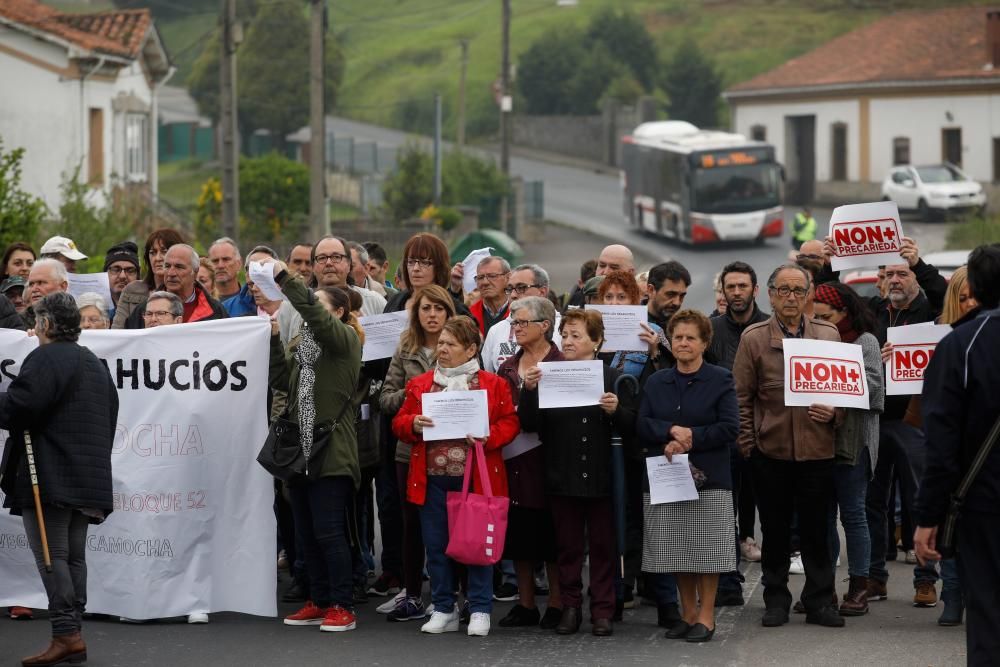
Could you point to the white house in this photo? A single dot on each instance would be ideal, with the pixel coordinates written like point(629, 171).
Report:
point(80, 90)
point(915, 87)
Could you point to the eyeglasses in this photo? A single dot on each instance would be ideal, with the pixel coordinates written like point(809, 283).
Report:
point(802, 256)
point(520, 324)
point(157, 314)
point(118, 270)
point(520, 289)
point(489, 276)
point(784, 291)
point(335, 258)
point(424, 263)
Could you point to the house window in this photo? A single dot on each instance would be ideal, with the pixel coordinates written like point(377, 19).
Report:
point(838, 152)
point(951, 145)
point(900, 151)
point(758, 133)
point(95, 150)
point(136, 147)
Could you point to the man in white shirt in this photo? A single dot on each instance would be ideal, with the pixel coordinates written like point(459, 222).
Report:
point(524, 280)
point(332, 266)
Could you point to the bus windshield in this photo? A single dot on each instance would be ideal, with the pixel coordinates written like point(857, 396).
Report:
point(736, 189)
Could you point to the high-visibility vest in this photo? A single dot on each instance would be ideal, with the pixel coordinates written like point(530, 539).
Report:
point(804, 227)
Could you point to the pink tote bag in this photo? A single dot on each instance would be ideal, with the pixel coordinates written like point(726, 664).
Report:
point(477, 524)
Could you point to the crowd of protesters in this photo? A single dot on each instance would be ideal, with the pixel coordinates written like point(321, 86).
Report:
point(708, 386)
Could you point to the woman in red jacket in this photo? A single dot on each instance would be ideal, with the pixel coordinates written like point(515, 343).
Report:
point(438, 467)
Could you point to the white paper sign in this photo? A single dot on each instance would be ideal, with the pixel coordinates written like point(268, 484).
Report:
point(193, 524)
point(622, 326)
point(570, 384)
point(866, 235)
point(912, 349)
point(456, 414)
point(670, 481)
point(824, 372)
point(469, 266)
point(81, 283)
point(382, 334)
point(262, 275)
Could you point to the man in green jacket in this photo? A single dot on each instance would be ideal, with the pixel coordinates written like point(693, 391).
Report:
point(803, 228)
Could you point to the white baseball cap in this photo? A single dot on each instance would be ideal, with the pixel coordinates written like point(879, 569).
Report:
point(62, 246)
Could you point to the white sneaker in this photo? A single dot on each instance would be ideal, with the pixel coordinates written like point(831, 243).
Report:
point(796, 566)
point(198, 617)
point(479, 624)
point(441, 622)
point(393, 602)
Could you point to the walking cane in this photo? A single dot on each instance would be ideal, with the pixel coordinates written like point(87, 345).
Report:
point(38, 500)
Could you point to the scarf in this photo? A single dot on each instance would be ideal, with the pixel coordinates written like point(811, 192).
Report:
point(306, 354)
point(847, 332)
point(457, 378)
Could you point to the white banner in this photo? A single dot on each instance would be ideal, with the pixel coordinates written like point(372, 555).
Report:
point(824, 372)
point(912, 349)
point(193, 524)
point(865, 235)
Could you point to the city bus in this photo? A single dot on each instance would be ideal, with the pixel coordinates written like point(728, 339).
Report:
point(700, 186)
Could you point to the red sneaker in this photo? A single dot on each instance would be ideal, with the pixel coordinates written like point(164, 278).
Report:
point(308, 615)
point(338, 619)
point(21, 613)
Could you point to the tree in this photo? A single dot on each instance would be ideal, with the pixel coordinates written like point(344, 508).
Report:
point(693, 85)
point(544, 70)
point(628, 42)
point(411, 186)
point(272, 72)
point(21, 214)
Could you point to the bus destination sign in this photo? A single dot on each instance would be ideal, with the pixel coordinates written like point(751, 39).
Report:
point(742, 157)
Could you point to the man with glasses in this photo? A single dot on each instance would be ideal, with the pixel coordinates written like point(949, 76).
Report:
point(162, 308)
point(500, 344)
point(332, 266)
point(122, 264)
point(791, 450)
point(180, 268)
point(491, 281)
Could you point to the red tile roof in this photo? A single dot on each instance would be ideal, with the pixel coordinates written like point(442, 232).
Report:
point(117, 33)
point(913, 46)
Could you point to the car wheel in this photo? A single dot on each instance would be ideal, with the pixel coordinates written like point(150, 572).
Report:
point(924, 211)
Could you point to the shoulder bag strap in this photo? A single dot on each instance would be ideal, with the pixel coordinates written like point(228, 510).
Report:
point(978, 462)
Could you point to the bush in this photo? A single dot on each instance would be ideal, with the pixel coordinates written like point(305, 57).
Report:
point(410, 187)
point(21, 214)
point(975, 232)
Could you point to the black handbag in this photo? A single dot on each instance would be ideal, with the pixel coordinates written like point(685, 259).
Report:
point(282, 454)
point(946, 536)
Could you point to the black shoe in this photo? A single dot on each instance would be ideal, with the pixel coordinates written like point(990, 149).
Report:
point(550, 619)
point(506, 593)
point(603, 627)
point(519, 617)
point(729, 598)
point(295, 593)
point(569, 621)
point(827, 617)
point(699, 633)
point(385, 585)
point(668, 615)
point(774, 617)
point(679, 631)
point(360, 595)
point(465, 615)
point(798, 607)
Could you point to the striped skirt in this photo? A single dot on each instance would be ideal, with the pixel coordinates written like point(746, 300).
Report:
point(697, 536)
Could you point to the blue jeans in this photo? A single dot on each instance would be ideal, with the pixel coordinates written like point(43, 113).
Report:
point(663, 588)
point(321, 510)
point(902, 447)
point(440, 568)
point(850, 483)
point(950, 583)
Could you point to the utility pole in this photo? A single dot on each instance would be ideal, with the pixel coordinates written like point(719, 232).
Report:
point(437, 148)
point(228, 122)
point(319, 218)
point(460, 131)
point(506, 107)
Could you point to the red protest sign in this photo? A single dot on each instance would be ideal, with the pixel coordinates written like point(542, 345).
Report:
point(863, 235)
point(824, 372)
point(823, 375)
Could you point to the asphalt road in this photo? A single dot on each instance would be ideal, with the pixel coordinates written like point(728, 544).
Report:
point(893, 633)
point(588, 200)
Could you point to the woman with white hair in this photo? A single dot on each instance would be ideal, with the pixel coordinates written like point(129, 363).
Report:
point(93, 311)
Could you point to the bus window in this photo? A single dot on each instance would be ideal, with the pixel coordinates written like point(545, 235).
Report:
point(736, 189)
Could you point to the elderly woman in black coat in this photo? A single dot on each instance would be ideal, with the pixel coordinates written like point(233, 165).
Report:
point(65, 399)
point(576, 445)
point(691, 409)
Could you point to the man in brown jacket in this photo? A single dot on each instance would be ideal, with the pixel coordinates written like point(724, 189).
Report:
point(791, 451)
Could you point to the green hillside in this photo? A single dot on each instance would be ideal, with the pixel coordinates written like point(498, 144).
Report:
point(399, 52)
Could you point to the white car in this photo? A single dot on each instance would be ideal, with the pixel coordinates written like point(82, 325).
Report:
point(933, 190)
